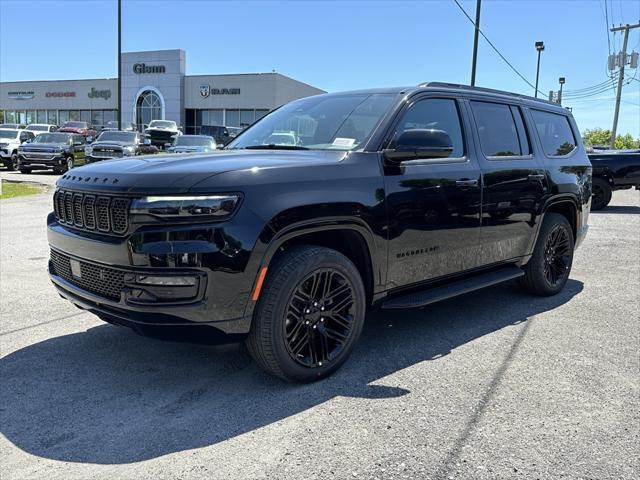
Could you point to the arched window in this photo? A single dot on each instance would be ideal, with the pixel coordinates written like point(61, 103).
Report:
point(148, 107)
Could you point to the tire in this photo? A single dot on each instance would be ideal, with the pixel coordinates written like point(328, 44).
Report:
point(14, 163)
point(69, 163)
point(550, 265)
point(600, 193)
point(25, 170)
point(296, 334)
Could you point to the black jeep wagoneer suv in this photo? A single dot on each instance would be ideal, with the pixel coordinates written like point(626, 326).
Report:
point(326, 207)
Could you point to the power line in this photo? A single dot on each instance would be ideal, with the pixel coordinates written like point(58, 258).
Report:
point(606, 26)
point(593, 87)
point(496, 49)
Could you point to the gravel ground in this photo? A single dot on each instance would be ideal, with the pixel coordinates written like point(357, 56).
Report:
point(492, 385)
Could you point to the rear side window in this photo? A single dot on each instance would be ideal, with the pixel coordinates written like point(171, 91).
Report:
point(437, 114)
point(497, 129)
point(555, 133)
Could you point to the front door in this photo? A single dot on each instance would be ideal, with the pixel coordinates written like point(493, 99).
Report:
point(433, 206)
point(148, 107)
point(514, 181)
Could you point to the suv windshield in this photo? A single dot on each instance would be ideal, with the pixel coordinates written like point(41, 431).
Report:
point(76, 124)
point(193, 141)
point(52, 138)
point(162, 124)
point(9, 133)
point(129, 137)
point(324, 122)
point(39, 128)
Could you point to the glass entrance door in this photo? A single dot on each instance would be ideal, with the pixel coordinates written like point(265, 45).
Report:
point(148, 107)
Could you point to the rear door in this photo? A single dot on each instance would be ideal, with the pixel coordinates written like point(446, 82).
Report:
point(514, 180)
point(433, 205)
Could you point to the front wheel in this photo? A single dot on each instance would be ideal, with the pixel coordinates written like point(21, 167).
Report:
point(69, 162)
point(550, 265)
point(309, 315)
point(14, 162)
point(600, 193)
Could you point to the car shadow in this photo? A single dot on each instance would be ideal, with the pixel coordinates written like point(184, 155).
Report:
point(627, 209)
point(108, 396)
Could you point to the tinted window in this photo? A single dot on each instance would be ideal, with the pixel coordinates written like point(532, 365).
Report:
point(436, 114)
point(496, 129)
point(555, 133)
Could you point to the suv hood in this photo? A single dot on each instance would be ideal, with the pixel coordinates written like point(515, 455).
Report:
point(177, 174)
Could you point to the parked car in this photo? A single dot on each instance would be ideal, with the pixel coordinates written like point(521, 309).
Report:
point(191, 144)
point(113, 126)
point(162, 131)
point(83, 128)
point(117, 144)
point(392, 198)
point(613, 170)
point(10, 141)
point(222, 135)
point(51, 151)
point(38, 128)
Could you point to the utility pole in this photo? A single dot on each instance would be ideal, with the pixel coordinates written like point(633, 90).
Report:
point(475, 44)
point(561, 80)
point(540, 49)
point(626, 29)
point(119, 65)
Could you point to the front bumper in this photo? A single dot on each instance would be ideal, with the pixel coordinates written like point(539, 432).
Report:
point(220, 263)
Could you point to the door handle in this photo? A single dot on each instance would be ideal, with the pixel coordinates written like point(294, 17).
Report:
point(536, 177)
point(465, 182)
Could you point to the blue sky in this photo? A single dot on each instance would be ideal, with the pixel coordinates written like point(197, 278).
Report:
point(334, 45)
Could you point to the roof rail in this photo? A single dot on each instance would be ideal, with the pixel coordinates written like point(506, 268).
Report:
point(483, 89)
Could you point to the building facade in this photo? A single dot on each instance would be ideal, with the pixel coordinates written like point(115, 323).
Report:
point(154, 86)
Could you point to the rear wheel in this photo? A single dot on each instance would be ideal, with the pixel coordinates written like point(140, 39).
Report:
point(14, 162)
point(309, 316)
point(550, 265)
point(600, 194)
point(69, 162)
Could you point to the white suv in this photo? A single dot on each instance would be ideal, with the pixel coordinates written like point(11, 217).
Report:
point(37, 128)
point(10, 140)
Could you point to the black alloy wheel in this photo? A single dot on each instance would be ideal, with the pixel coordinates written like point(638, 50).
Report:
point(319, 318)
point(600, 194)
point(15, 162)
point(557, 256)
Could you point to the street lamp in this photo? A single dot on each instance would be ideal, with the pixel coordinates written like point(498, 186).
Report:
point(539, 48)
point(561, 80)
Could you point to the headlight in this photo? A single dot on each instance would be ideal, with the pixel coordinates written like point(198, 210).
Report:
point(130, 150)
point(186, 207)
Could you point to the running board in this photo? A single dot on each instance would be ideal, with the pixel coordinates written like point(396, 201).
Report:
point(432, 295)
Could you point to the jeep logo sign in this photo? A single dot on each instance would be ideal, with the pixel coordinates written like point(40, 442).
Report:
point(106, 94)
point(140, 68)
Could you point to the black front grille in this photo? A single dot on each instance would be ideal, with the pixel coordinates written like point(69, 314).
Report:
point(103, 281)
point(85, 211)
point(107, 152)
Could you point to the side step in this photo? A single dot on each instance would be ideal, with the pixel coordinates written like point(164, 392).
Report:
point(432, 295)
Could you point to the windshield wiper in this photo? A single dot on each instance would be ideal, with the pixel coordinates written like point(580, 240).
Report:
point(273, 146)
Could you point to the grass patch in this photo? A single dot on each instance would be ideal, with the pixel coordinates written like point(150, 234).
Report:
point(10, 190)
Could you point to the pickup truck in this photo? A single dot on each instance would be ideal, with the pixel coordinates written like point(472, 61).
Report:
point(390, 198)
point(613, 170)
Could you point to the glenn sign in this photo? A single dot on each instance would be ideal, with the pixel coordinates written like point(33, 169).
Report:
point(140, 68)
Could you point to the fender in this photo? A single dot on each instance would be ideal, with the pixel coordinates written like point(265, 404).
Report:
point(556, 199)
point(267, 251)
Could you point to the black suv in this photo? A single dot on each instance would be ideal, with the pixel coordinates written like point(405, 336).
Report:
point(118, 144)
point(394, 198)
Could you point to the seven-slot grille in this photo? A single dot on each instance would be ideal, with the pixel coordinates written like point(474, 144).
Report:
point(103, 281)
point(99, 213)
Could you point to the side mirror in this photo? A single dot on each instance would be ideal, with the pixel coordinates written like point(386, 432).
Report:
point(90, 139)
point(420, 143)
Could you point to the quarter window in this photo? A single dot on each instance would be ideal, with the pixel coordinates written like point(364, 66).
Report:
point(555, 133)
point(497, 130)
point(437, 114)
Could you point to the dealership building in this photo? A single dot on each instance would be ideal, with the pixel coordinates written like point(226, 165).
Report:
point(154, 86)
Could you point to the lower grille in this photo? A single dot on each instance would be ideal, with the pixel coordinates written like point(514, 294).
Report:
point(103, 281)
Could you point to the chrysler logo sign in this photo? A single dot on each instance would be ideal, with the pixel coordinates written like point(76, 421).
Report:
point(21, 94)
point(206, 90)
point(140, 68)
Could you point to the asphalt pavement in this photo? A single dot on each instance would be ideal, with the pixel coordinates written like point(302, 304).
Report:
point(496, 384)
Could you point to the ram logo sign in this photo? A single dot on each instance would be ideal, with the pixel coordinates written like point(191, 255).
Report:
point(205, 90)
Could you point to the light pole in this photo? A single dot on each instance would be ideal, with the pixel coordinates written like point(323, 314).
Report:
point(561, 80)
point(539, 48)
point(119, 62)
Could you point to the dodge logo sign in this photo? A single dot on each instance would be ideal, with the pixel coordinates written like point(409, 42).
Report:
point(205, 90)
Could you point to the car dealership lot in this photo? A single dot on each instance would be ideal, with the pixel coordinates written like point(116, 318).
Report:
point(494, 384)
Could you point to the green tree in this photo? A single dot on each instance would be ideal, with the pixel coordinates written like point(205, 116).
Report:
point(600, 136)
